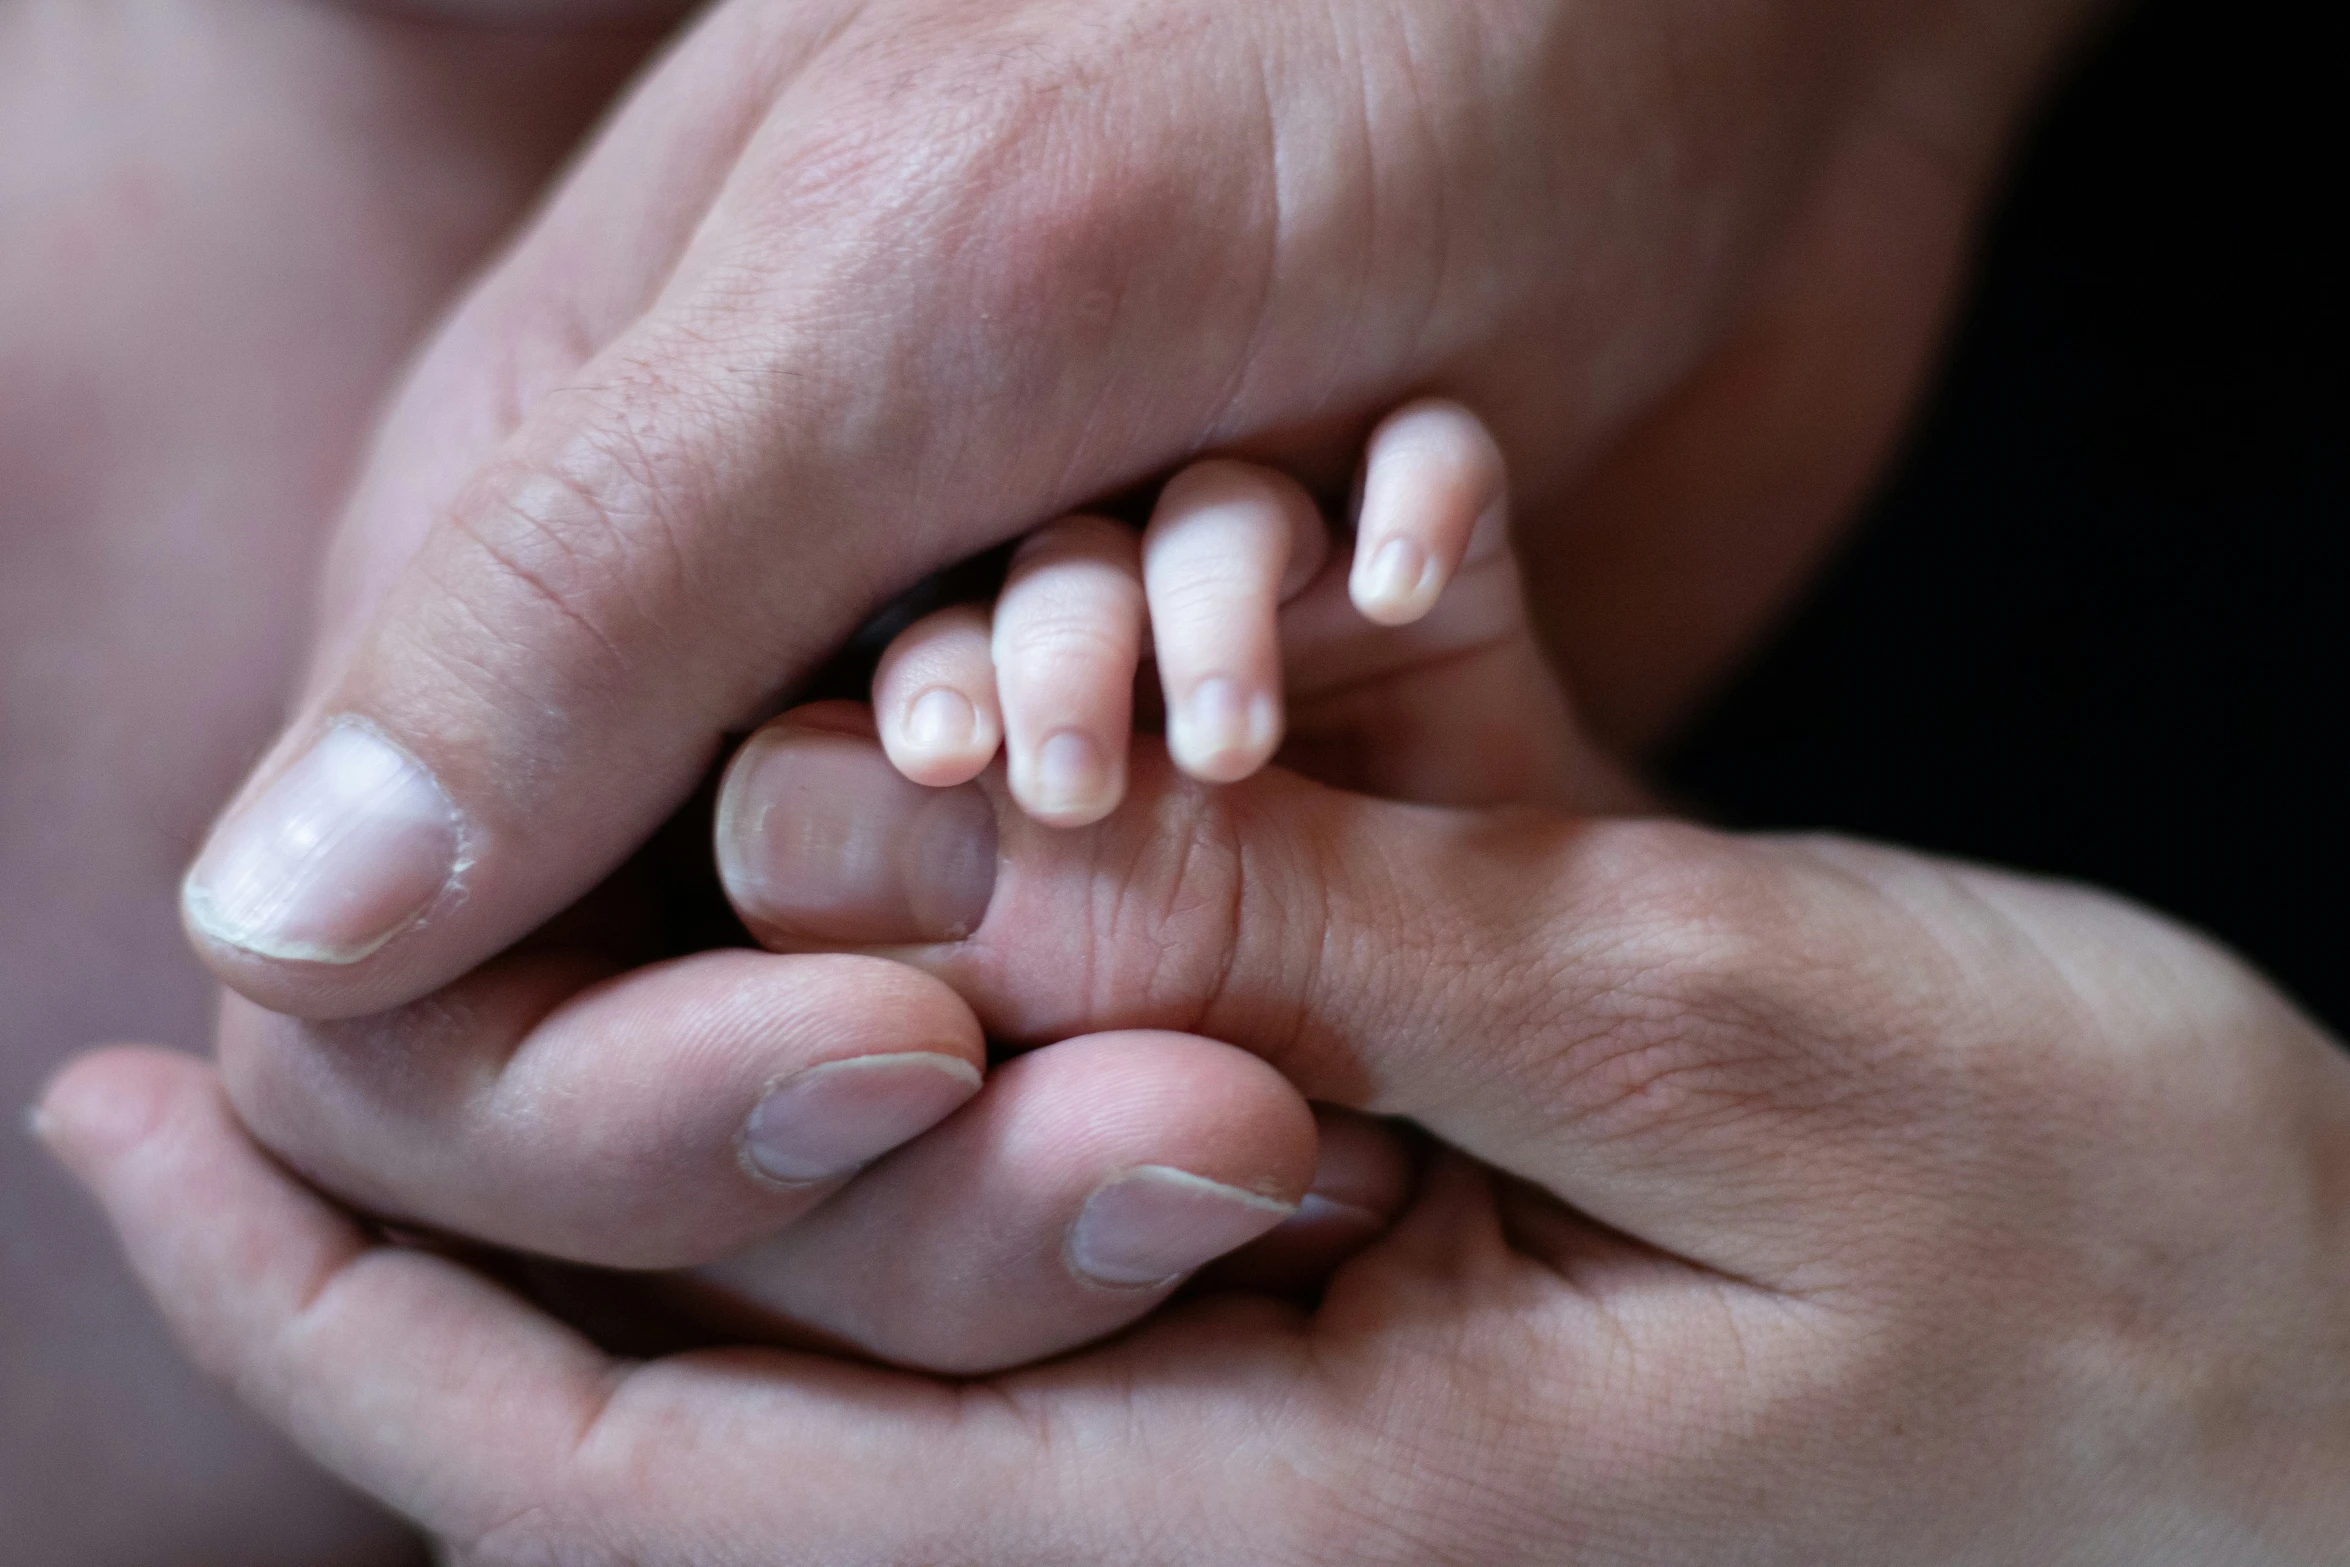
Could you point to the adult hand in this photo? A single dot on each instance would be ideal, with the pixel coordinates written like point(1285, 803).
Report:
point(852, 290)
point(774, 1124)
point(1813, 1202)
point(688, 1113)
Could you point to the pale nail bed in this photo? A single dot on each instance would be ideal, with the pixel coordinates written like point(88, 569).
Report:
point(1154, 1224)
point(1070, 776)
point(826, 1122)
point(941, 720)
point(1393, 588)
point(342, 852)
point(821, 840)
point(1221, 734)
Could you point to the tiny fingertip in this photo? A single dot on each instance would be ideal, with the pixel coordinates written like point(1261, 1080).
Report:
point(1398, 584)
point(1069, 782)
point(940, 739)
point(1222, 732)
point(940, 721)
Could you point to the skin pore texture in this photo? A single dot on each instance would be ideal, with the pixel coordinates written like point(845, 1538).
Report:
point(226, 224)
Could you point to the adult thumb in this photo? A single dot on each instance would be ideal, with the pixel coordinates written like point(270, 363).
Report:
point(1628, 1013)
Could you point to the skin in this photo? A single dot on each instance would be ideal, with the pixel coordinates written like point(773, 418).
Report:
point(527, 326)
point(731, 130)
point(1227, 545)
point(606, 1127)
point(566, 576)
point(1637, 423)
point(1806, 1201)
point(226, 226)
point(1796, 1169)
point(451, 182)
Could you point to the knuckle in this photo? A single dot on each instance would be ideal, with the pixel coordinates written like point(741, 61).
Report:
point(1065, 651)
point(1691, 1004)
point(552, 586)
point(1162, 885)
point(939, 125)
point(1145, 911)
point(1017, 154)
point(1226, 600)
point(581, 534)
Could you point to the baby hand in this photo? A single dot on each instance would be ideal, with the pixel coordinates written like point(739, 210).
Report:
point(1235, 555)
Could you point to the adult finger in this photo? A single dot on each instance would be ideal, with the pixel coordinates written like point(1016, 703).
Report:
point(1663, 1025)
point(284, 1298)
point(484, 1420)
point(344, 837)
point(677, 1115)
point(655, 1119)
point(1068, 1200)
point(1366, 1171)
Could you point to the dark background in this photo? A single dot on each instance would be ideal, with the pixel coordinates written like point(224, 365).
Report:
point(2096, 623)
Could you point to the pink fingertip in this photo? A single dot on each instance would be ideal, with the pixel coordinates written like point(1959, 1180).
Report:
point(941, 721)
point(1222, 733)
point(1397, 585)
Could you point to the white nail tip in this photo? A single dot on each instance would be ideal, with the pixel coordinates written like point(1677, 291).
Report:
point(343, 851)
point(941, 720)
point(1154, 1224)
point(1069, 775)
point(1395, 586)
point(1221, 734)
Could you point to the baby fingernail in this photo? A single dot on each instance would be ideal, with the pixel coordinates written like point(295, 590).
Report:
point(1391, 586)
point(1071, 777)
point(821, 840)
point(941, 720)
point(1221, 733)
point(336, 857)
point(829, 1120)
point(1154, 1224)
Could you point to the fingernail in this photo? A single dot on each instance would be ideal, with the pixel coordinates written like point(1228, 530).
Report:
point(821, 840)
point(336, 857)
point(1071, 777)
point(941, 720)
point(1221, 732)
point(1153, 1225)
point(829, 1120)
point(1392, 585)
